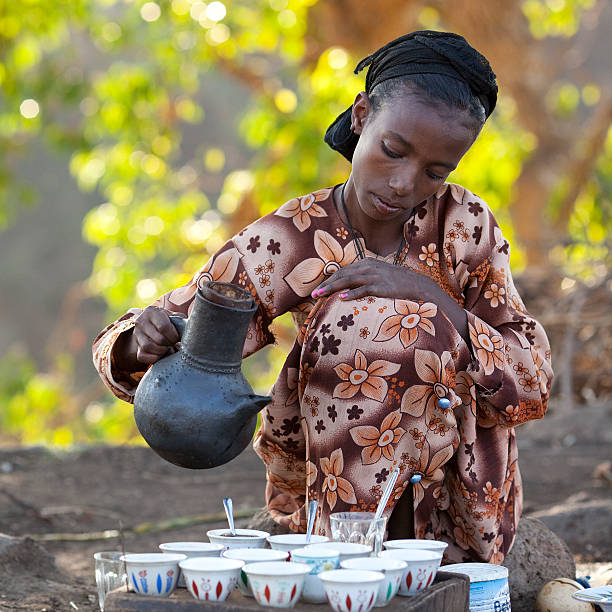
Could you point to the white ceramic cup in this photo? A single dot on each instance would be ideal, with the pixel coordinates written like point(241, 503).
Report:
point(253, 555)
point(393, 570)
point(276, 583)
point(350, 590)
point(211, 578)
point(191, 549)
point(318, 561)
point(153, 574)
point(422, 566)
point(435, 545)
point(245, 538)
point(291, 541)
point(347, 550)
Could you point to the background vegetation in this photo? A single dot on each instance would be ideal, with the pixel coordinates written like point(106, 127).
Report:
point(118, 85)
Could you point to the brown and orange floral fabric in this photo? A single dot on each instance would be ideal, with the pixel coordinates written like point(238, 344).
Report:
point(358, 394)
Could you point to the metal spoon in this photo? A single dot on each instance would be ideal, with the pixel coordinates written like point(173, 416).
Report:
point(386, 493)
point(229, 512)
point(383, 501)
point(312, 511)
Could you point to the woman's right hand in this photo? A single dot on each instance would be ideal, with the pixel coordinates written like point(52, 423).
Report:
point(152, 337)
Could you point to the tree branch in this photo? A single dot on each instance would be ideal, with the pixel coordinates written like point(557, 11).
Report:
point(589, 149)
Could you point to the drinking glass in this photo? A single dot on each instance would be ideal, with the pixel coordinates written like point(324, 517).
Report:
point(358, 527)
point(110, 573)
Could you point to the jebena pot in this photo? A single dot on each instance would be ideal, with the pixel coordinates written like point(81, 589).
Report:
point(195, 408)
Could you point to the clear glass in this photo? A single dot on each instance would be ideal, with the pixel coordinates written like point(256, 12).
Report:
point(110, 574)
point(358, 527)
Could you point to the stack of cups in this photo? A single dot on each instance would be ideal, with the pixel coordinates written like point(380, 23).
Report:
point(489, 590)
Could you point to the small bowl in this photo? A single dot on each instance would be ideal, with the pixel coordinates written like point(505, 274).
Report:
point(191, 549)
point(347, 550)
point(211, 578)
point(599, 596)
point(318, 561)
point(277, 584)
point(154, 574)
point(245, 538)
point(422, 567)
point(349, 590)
point(290, 541)
point(435, 545)
point(393, 570)
point(253, 555)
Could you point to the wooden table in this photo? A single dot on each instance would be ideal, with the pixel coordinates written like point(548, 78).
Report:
point(448, 593)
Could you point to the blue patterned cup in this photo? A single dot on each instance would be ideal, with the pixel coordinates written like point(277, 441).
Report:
point(318, 561)
point(153, 574)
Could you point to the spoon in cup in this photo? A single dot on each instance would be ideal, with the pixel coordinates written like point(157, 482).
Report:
point(312, 510)
point(229, 512)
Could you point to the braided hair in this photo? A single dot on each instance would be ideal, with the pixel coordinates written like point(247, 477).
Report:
point(438, 67)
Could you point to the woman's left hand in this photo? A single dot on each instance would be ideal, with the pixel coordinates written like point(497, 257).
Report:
point(379, 278)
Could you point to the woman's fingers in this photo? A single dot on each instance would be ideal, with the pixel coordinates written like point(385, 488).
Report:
point(155, 335)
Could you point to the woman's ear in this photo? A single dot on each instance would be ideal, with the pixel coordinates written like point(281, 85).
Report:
point(361, 109)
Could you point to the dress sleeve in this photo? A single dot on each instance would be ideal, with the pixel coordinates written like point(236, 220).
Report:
point(256, 259)
point(511, 367)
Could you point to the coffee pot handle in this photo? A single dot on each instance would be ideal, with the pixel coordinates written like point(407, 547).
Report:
point(180, 323)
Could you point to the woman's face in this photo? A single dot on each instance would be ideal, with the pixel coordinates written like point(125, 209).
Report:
point(406, 149)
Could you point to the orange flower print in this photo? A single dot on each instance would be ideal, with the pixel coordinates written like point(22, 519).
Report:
point(379, 442)
point(364, 378)
point(429, 254)
point(437, 373)
point(528, 382)
point(310, 272)
point(301, 209)
point(431, 471)
point(311, 473)
point(496, 294)
point(333, 485)
point(292, 386)
point(221, 268)
point(409, 318)
point(487, 346)
point(541, 374)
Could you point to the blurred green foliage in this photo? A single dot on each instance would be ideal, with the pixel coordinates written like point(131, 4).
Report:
point(155, 226)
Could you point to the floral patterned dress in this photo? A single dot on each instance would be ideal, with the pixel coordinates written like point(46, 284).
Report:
point(359, 392)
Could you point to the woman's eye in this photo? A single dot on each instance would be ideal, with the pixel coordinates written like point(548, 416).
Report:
point(433, 176)
point(388, 151)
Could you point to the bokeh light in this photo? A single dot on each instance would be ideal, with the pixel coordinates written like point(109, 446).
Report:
point(29, 108)
point(150, 11)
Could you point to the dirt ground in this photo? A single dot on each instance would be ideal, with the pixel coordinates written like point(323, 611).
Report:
point(564, 461)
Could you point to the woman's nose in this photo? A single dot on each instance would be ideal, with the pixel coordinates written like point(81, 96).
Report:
point(402, 183)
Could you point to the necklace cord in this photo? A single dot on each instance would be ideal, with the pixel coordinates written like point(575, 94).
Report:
point(402, 249)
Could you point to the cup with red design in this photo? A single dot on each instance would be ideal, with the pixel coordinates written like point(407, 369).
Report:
point(253, 555)
point(211, 578)
point(347, 550)
point(191, 549)
point(393, 570)
point(422, 567)
point(351, 590)
point(421, 544)
point(291, 541)
point(277, 584)
point(244, 538)
point(153, 574)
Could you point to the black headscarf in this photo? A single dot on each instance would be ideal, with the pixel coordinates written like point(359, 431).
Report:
point(422, 52)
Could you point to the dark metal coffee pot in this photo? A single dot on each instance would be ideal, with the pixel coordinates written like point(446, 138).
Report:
point(195, 408)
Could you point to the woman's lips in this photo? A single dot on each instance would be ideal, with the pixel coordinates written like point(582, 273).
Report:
point(384, 208)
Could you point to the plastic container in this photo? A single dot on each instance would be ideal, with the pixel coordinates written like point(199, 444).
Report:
point(489, 590)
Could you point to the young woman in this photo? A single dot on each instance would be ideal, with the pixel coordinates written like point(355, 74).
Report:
point(414, 348)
